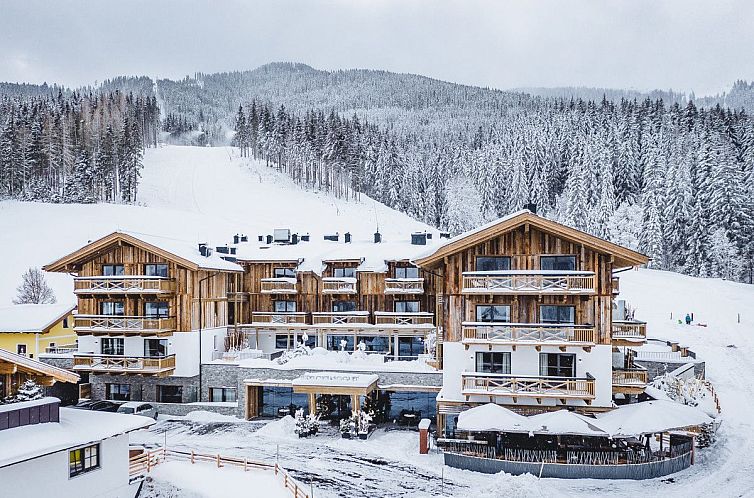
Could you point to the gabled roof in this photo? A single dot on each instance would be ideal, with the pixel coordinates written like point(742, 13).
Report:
point(623, 256)
point(181, 252)
point(20, 363)
point(32, 318)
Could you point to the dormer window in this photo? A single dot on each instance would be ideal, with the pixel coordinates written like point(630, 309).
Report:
point(493, 263)
point(562, 263)
point(349, 272)
point(112, 270)
point(406, 272)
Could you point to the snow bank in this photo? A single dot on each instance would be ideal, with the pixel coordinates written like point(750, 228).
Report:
point(524, 486)
point(283, 428)
point(204, 416)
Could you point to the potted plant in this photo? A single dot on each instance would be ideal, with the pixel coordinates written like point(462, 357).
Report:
point(348, 427)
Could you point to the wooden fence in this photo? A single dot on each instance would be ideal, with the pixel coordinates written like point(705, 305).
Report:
point(143, 463)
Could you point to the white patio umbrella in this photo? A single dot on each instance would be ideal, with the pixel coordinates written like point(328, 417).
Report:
point(564, 422)
point(492, 417)
point(651, 417)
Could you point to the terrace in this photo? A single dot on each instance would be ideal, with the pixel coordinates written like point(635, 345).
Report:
point(520, 386)
point(136, 325)
point(123, 365)
point(131, 284)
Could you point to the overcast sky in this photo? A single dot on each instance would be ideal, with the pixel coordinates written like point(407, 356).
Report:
point(642, 44)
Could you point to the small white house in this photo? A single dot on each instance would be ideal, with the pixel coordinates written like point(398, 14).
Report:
point(53, 451)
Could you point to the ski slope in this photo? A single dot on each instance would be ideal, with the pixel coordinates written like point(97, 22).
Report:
point(195, 194)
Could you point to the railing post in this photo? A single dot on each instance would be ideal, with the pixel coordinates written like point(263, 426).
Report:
point(192, 456)
point(218, 460)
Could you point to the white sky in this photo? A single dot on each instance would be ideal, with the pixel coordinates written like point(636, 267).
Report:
point(643, 44)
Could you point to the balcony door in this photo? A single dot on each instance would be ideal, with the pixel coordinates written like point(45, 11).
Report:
point(112, 346)
point(557, 365)
point(343, 306)
point(282, 306)
point(112, 308)
point(406, 272)
point(156, 309)
point(493, 313)
point(155, 348)
point(406, 306)
point(557, 314)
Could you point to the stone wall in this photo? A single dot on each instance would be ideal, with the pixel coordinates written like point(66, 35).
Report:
point(657, 368)
point(144, 388)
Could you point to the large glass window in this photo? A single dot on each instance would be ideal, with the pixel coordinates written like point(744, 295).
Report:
point(169, 394)
point(406, 272)
point(343, 306)
point(222, 394)
point(493, 313)
point(334, 342)
point(285, 273)
point(156, 309)
point(155, 348)
point(112, 345)
point(156, 270)
point(349, 272)
point(378, 344)
point(493, 263)
point(499, 363)
point(410, 347)
point(422, 405)
point(279, 401)
point(563, 263)
point(406, 306)
point(557, 364)
point(112, 308)
point(557, 314)
point(310, 340)
point(118, 392)
point(82, 460)
point(112, 270)
point(281, 341)
point(282, 306)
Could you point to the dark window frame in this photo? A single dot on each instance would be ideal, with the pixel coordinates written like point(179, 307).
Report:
point(122, 391)
point(498, 362)
point(287, 302)
point(83, 460)
point(111, 270)
point(116, 344)
point(282, 272)
point(555, 258)
point(337, 304)
point(223, 394)
point(344, 272)
point(402, 271)
point(559, 319)
point(548, 370)
point(479, 263)
point(162, 344)
point(159, 313)
point(161, 395)
point(154, 272)
point(114, 303)
point(493, 305)
point(402, 303)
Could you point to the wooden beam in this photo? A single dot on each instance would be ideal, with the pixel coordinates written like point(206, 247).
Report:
point(8, 368)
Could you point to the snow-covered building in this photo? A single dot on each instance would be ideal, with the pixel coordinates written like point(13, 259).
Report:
point(527, 318)
point(33, 329)
point(53, 451)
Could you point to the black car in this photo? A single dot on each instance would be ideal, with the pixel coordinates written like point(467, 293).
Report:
point(98, 406)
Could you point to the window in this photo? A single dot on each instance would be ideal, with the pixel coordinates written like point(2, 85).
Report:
point(281, 341)
point(285, 273)
point(222, 394)
point(343, 306)
point(155, 348)
point(334, 342)
point(112, 270)
point(493, 263)
point(112, 345)
point(564, 263)
point(65, 322)
point(308, 340)
point(156, 270)
point(406, 272)
point(493, 313)
point(344, 272)
point(557, 364)
point(156, 309)
point(410, 347)
point(406, 306)
point(169, 394)
point(285, 306)
point(112, 308)
point(378, 344)
point(82, 460)
point(118, 392)
point(557, 314)
point(21, 349)
point(499, 363)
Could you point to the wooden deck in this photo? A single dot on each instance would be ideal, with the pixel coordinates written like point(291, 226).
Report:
point(336, 285)
point(629, 381)
point(124, 365)
point(495, 385)
point(628, 332)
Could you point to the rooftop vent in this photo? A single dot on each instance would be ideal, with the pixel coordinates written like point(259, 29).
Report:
point(281, 234)
point(236, 239)
point(444, 235)
point(429, 236)
point(261, 238)
point(244, 238)
point(419, 239)
point(305, 237)
point(347, 237)
point(377, 237)
point(233, 250)
point(294, 238)
point(531, 207)
point(203, 249)
point(222, 249)
point(269, 239)
point(333, 238)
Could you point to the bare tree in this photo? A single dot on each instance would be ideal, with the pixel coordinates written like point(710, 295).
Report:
point(34, 289)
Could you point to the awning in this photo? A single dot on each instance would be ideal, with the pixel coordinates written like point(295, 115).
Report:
point(492, 417)
point(650, 417)
point(565, 422)
point(335, 383)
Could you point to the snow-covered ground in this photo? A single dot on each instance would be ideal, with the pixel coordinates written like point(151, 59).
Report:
point(197, 194)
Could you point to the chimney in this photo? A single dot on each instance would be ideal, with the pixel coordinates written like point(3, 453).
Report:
point(222, 249)
point(333, 238)
point(261, 238)
point(294, 238)
point(531, 207)
point(233, 250)
point(377, 237)
point(269, 239)
point(244, 238)
point(429, 236)
point(236, 239)
point(203, 248)
point(347, 237)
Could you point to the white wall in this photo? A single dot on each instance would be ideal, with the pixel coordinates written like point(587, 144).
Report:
point(48, 475)
point(185, 347)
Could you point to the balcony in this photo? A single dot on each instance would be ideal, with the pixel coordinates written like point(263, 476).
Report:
point(278, 319)
point(535, 282)
point(282, 285)
point(513, 386)
point(339, 285)
point(345, 319)
point(123, 365)
point(529, 333)
point(629, 380)
point(136, 284)
point(404, 319)
point(404, 286)
point(629, 332)
point(136, 325)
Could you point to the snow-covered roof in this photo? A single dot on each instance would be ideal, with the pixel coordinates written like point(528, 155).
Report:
point(336, 379)
point(32, 318)
point(492, 417)
point(28, 365)
point(651, 417)
point(76, 428)
point(565, 422)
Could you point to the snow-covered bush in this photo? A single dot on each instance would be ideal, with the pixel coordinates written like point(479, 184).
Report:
point(306, 425)
point(301, 349)
point(28, 391)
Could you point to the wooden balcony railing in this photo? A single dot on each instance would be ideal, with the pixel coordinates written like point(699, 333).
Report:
point(278, 285)
point(387, 318)
point(525, 386)
point(124, 364)
point(529, 282)
point(633, 330)
point(132, 284)
point(339, 285)
point(123, 324)
point(635, 377)
point(537, 333)
point(345, 318)
point(404, 286)
point(62, 349)
point(278, 318)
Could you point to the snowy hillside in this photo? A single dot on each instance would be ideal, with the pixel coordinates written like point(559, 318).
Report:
point(189, 193)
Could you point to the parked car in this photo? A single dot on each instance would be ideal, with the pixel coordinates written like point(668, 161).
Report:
point(138, 408)
point(98, 406)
